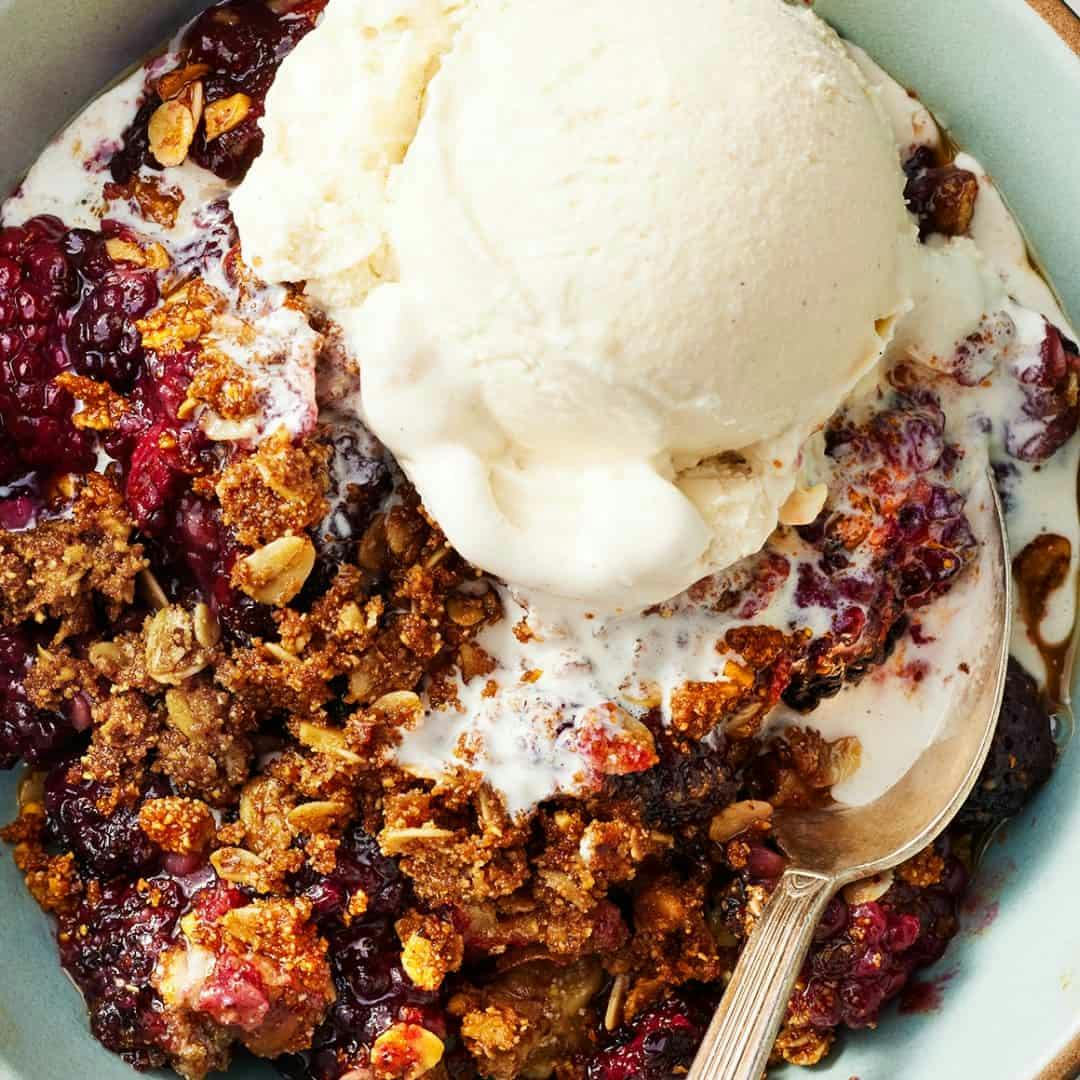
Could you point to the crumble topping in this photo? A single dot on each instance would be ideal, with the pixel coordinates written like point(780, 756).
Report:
point(179, 826)
point(152, 198)
point(303, 780)
point(54, 571)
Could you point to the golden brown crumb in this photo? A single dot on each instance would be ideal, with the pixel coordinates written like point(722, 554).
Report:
point(276, 491)
point(495, 1029)
point(126, 730)
point(923, 869)
point(357, 905)
point(196, 1044)
point(276, 938)
point(431, 948)
point(150, 197)
point(698, 707)
point(673, 942)
point(321, 851)
point(802, 1046)
point(58, 677)
point(102, 407)
point(55, 884)
point(222, 386)
point(186, 316)
point(181, 826)
point(56, 570)
point(205, 748)
point(528, 1019)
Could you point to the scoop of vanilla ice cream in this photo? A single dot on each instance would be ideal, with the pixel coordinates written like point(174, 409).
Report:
point(340, 116)
point(604, 279)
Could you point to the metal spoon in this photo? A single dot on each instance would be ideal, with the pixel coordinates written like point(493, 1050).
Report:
point(830, 848)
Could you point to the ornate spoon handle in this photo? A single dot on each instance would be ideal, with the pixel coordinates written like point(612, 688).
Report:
point(741, 1035)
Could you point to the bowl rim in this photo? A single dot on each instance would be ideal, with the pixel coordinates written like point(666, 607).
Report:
point(1065, 22)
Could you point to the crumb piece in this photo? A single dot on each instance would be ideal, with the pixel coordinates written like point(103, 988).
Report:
point(178, 825)
point(260, 970)
point(357, 905)
point(405, 1052)
point(527, 1020)
point(431, 949)
point(923, 870)
point(276, 491)
point(186, 316)
point(205, 748)
point(56, 570)
point(125, 734)
point(222, 386)
point(150, 197)
point(802, 1046)
point(102, 407)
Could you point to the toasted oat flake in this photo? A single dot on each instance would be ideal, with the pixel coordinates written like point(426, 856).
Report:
point(315, 817)
point(239, 866)
point(395, 841)
point(106, 656)
point(402, 707)
point(613, 1014)
point(737, 818)
point(171, 132)
point(207, 627)
point(327, 741)
point(173, 82)
point(224, 115)
point(278, 652)
point(172, 652)
point(277, 571)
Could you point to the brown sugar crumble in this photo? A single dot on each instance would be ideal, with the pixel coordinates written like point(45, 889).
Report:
point(179, 826)
point(223, 607)
point(235, 676)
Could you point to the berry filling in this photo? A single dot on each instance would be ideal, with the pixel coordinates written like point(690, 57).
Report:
point(210, 713)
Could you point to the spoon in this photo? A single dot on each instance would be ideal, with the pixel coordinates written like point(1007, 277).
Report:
point(831, 847)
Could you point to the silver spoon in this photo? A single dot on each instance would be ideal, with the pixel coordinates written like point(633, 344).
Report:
point(833, 847)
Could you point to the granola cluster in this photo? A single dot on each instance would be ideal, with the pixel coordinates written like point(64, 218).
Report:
point(221, 616)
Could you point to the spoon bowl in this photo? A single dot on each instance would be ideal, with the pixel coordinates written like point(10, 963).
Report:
point(831, 847)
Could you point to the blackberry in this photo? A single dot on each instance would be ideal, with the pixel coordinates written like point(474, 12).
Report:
point(1021, 756)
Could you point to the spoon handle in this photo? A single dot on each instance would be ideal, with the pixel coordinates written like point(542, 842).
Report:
point(742, 1032)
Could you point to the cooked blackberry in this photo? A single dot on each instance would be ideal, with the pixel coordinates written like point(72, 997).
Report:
point(1021, 756)
point(690, 783)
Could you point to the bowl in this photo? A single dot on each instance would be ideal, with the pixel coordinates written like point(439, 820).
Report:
point(1004, 1004)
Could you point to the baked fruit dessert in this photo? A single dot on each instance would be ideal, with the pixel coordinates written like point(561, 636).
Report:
point(300, 778)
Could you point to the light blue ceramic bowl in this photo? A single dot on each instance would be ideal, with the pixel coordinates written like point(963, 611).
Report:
point(1010, 90)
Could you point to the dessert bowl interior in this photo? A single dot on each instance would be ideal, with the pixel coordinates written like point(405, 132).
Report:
point(1003, 81)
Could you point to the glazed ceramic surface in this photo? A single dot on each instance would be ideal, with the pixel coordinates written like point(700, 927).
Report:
point(1006, 999)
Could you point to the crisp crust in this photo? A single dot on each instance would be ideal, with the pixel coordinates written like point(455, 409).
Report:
point(102, 407)
point(431, 948)
point(277, 491)
point(179, 826)
point(55, 570)
point(269, 947)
